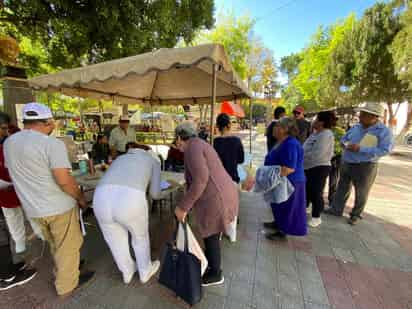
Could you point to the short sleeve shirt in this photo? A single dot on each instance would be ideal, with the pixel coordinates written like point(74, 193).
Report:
point(118, 139)
point(31, 157)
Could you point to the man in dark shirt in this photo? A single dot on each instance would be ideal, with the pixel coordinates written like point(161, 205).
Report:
point(302, 123)
point(101, 150)
point(203, 132)
point(270, 139)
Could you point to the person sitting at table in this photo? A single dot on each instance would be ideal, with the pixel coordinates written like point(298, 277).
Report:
point(175, 159)
point(120, 136)
point(101, 149)
point(211, 192)
point(203, 134)
point(120, 206)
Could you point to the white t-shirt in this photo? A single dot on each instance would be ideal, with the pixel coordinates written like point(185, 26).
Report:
point(30, 157)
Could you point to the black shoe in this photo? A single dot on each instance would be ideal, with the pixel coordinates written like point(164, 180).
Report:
point(330, 211)
point(12, 270)
point(270, 225)
point(20, 278)
point(353, 220)
point(20, 266)
point(276, 236)
point(210, 279)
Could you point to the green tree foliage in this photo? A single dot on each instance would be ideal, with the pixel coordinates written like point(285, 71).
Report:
point(374, 76)
point(252, 61)
point(401, 47)
point(365, 64)
point(402, 55)
point(235, 35)
point(289, 65)
point(255, 63)
point(354, 61)
point(259, 110)
point(313, 77)
point(80, 32)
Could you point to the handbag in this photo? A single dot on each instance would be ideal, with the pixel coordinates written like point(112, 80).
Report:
point(194, 246)
point(181, 271)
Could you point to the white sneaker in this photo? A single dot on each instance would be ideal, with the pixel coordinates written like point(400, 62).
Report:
point(315, 222)
point(155, 267)
point(127, 279)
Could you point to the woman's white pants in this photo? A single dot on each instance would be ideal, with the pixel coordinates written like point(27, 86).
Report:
point(119, 210)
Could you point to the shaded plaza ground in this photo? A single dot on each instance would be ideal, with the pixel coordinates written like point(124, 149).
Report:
point(335, 266)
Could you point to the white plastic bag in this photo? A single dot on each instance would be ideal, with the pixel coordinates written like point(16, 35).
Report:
point(194, 247)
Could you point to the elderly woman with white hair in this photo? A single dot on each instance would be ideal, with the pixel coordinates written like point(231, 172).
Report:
point(210, 192)
point(120, 207)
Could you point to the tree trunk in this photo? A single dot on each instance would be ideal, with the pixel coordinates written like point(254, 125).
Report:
point(391, 115)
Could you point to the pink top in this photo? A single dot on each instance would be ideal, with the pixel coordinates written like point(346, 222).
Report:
point(211, 191)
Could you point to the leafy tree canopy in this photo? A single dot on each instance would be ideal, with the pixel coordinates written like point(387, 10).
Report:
point(374, 73)
point(289, 65)
point(312, 76)
point(401, 47)
point(252, 61)
point(234, 34)
point(90, 31)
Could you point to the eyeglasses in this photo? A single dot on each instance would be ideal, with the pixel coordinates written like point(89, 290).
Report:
point(296, 113)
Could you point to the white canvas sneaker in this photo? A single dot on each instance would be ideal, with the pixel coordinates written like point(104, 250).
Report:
point(127, 279)
point(315, 222)
point(155, 267)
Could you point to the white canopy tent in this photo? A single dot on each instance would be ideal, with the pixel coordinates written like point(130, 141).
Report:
point(177, 76)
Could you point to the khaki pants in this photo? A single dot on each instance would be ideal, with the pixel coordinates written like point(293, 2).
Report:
point(64, 236)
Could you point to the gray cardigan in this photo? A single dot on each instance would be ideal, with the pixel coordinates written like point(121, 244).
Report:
point(318, 149)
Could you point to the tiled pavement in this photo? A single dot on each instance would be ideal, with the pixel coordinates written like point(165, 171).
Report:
point(335, 266)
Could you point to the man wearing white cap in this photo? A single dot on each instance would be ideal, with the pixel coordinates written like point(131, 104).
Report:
point(364, 144)
point(40, 169)
point(120, 136)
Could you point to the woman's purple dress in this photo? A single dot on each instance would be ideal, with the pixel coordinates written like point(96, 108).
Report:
point(290, 216)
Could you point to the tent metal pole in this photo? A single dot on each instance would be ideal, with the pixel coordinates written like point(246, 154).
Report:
point(250, 125)
point(125, 109)
point(212, 105)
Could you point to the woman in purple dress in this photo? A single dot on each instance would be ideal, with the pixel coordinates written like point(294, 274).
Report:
point(290, 216)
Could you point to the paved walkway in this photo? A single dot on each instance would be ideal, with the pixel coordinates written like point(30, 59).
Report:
point(335, 266)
